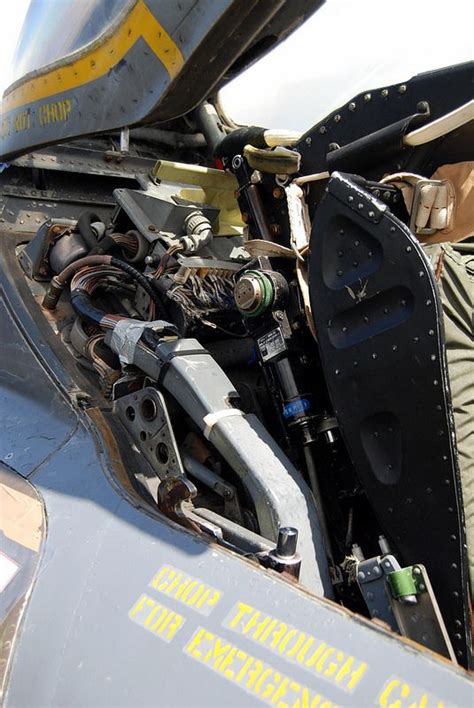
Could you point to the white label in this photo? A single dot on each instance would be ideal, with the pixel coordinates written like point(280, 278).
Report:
point(271, 344)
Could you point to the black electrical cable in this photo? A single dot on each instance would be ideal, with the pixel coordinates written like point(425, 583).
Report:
point(81, 303)
point(145, 284)
point(151, 339)
point(84, 227)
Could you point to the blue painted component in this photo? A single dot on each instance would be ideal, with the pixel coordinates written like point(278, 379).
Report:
point(297, 407)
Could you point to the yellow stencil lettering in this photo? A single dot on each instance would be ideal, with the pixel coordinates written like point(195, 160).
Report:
point(303, 651)
point(355, 675)
point(163, 572)
point(254, 673)
point(267, 631)
point(244, 669)
point(195, 642)
point(322, 660)
point(227, 661)
point(218, 651)
point(242, 611)
point(386, 696)
point(152, 614)
point(213, 600)
point(178, 622)
point(278, 634)
point(191, 586)
point(333, 666)
point(142, 601)
point(280, 692)
point(316, 655)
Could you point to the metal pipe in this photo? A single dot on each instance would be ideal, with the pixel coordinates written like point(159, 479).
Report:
point(199, 471)
point(316, 489)
point(245, 540)
point(210, 124)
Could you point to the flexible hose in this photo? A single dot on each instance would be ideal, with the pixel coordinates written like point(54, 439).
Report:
point(84, 227)
point(59, 281)
point(63, 277)
point(145, 284)
point(82, 305)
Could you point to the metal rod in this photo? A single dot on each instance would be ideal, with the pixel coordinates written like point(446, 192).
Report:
point(315, 488)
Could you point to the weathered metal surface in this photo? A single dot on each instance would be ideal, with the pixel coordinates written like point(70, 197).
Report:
point(88, 162)
point(28, 406)
point(110, 625)
point(157, 61)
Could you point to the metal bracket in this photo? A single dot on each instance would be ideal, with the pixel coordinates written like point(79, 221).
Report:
point(145, 415)
point(418, 616)
point(404, 599)
point(371, 580)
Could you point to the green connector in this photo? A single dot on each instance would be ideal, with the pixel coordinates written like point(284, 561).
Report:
point(403, 582)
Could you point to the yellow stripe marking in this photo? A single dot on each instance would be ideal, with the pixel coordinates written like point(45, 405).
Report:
point(97, 62)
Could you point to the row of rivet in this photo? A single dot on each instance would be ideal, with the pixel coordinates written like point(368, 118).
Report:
point(352, 107)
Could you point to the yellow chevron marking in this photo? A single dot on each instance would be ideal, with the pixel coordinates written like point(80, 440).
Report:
point(100, 59)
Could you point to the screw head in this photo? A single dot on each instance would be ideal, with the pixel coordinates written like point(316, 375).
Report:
point(367, 97)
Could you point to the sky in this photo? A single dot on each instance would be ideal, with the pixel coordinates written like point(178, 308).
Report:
point(348, 46)
point(13, 13)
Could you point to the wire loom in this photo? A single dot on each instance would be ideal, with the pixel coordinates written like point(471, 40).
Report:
point(202, 296)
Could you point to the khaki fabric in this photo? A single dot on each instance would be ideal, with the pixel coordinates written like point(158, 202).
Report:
point(453, 265)
point(461, 176)
point(447, 206)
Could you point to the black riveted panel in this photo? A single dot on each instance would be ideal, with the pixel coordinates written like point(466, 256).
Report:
point(435, 93)
point(379, 322)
